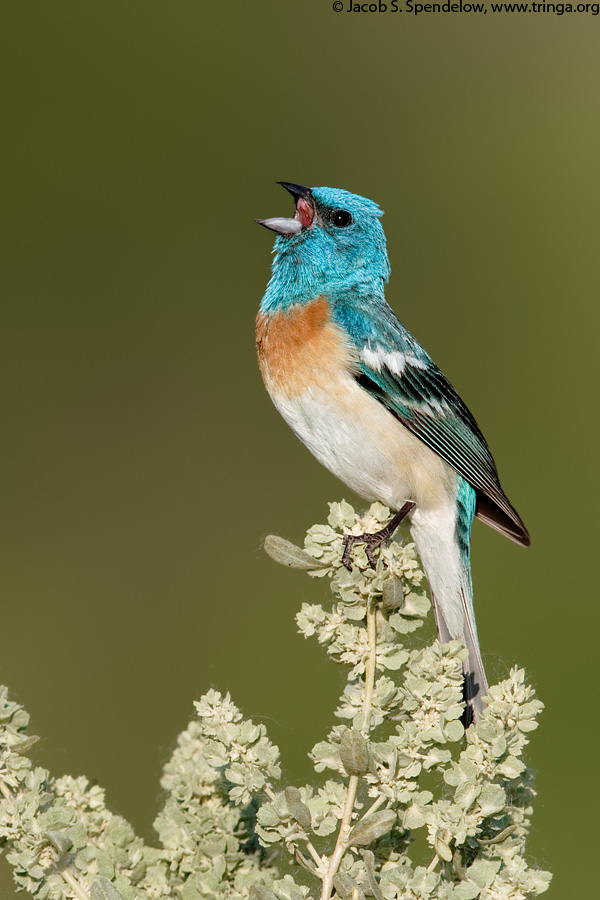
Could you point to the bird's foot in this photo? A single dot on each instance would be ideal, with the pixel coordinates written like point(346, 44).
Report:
point(370, 540)
point(373, 540)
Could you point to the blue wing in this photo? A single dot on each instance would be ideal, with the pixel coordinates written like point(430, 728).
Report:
point(394, 368)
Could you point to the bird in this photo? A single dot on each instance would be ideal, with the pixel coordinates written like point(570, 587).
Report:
point(371, 405)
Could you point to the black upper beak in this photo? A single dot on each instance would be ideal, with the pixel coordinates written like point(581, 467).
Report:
point(295, 225)
point(296, 190)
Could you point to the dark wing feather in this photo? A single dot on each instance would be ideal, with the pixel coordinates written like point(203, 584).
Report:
point(422, 398)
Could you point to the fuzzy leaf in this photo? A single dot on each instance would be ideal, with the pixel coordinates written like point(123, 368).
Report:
point(492, 800)
point(372, 828)
point(288, 554)
point(392, 593)
point(511, 767)
point(442, 849)
point(102, 889)
point(344, 886)
point(261, 892)
point(59, 840)
point(354, 752)
point(298, 809)
point(465, 891)
point(483, 871)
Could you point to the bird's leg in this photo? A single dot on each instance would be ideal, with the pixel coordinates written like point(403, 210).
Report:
point(374, 539)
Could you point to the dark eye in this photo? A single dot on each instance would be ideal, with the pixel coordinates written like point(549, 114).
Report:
point(341, 218)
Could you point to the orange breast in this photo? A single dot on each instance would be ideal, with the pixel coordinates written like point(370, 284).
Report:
point(301, 347)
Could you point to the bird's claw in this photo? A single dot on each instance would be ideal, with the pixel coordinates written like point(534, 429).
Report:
point(374, 539)
point(370, 540)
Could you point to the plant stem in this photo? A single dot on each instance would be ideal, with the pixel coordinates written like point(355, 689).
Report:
point(341, 844)
point(369, 668)
point(302, 861)
point(74, 885)
point(342, 841)
point(311, 849)
point(374, 807)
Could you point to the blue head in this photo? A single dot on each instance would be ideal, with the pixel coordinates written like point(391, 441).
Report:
point(334, 243)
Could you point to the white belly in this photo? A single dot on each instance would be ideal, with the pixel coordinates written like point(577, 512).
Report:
point(362, 443)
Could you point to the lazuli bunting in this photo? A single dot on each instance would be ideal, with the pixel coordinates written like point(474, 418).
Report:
point(371, 405)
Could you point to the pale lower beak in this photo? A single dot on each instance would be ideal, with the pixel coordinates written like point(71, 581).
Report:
point(282, 225)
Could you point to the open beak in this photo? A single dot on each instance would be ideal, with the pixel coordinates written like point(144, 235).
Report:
point(305, 211)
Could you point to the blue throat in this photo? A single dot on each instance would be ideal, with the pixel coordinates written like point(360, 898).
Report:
point(304, 269)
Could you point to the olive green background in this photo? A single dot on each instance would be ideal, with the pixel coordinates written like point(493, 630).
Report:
point(142, 462)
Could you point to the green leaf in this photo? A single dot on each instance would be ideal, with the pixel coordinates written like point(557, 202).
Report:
point(59, 840)
point(298, 810)
point(492, 800)
point(442, 848)
point(392, 593)
point(344, 886)
point(483, 871)
point(413, 817)
point(288, 554)
point(373, 827)
point(498, 747)
point(369, 861)
point(24, 745)
point(341, 515)
point(102, 889)
point(454, 730)
point(354, 752)
point(511, 767)
point(465, 891)
point(394, 658)
point(466, 794)
point(416, 605)
point(261, 892)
